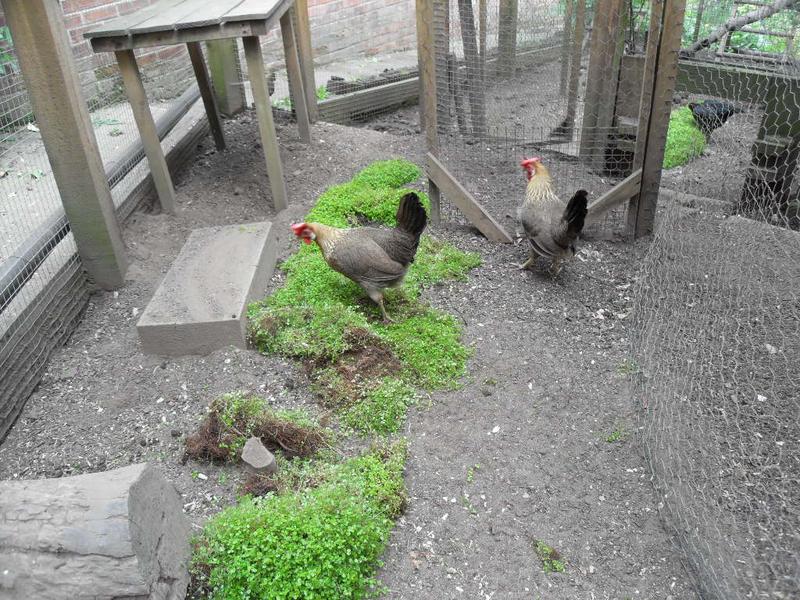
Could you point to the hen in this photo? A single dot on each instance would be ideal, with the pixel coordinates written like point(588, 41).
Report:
point(712, 114)
point(550, 225)
point(374, 258)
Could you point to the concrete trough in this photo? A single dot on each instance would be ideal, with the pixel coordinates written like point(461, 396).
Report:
point(201, 306)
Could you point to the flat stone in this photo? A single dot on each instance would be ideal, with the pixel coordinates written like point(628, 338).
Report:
point(201, 306)
point(258, 458)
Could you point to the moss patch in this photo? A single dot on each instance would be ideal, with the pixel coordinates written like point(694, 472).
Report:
point(317, 528)
point(552, 562)
point(323, 542)
point(684, 140)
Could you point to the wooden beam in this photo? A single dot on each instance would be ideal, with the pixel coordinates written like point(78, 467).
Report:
point(475, 91)
point(345, 108)
point(426, 52)
point(575, 66)
point(45, 56)
point(507, 37)
point(266, 125)
point(666, 69)
point(566, 50)
point(134, 89)
point(223, 62)
point(459, 196)
point(622, 192)
point(209, 100)
point(602, 79)
point(306, 55)
point(297, 91)
point(646, 97)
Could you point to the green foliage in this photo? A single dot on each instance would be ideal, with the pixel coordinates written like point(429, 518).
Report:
point(322, 542)
point(684, 140)
point(322, 92)
point(388, 174)
point(550, 557)
point(381, 409)
point(616, 436)
point(429, 342)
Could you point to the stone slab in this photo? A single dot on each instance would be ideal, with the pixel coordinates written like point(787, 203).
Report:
point(201, 306)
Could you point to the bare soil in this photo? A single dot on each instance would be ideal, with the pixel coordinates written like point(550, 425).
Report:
point(518, 454)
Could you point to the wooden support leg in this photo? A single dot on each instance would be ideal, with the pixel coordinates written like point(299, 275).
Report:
point(266, 126)
point(209, 101)
point(306, 55)
point(147, 129)
point(436, 202)
point(296, 86)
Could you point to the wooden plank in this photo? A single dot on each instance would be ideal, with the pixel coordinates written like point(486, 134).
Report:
point(646, 99)
point(208, 13)
point(435, 196)
point(209, 100)
point(459, 196)
point(346, 107)
point(426, 52)
point(622, 192)
point(266, 126)
point(566, 41)
point(174, 37)
point(165, 20)
point(306, 56)
point(45, 56)
point(296, 88)
point(251, 10)
point(225, 70)
point(123, 25)
point(666, 69)
point(140, 107)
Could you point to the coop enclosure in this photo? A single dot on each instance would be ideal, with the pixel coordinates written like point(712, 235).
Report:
point(592, 87)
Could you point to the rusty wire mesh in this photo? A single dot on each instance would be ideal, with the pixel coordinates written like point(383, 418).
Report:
point(717, 318)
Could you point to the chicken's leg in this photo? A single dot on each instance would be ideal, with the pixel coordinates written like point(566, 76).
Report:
point(528, 264)
point(377, 298)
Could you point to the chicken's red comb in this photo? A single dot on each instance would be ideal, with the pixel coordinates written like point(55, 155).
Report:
point(298, 228)
point(529, 161)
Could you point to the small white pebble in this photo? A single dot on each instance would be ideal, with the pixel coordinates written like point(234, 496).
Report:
point(496, 429)
point(202, 476)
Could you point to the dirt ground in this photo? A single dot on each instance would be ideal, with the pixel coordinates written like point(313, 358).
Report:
point(543, 394)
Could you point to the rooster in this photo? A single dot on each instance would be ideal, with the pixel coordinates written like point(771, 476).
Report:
point(374, 258)
point(550, 225)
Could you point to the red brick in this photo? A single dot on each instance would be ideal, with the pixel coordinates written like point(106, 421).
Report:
point(100, 14)
point(73, 6)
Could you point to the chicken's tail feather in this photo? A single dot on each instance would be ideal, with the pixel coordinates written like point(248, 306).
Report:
point(411, 216)
point(575, 214)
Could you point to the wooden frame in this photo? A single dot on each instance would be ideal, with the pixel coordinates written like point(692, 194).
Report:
point(209, 99)
point(459, 196)
point(45, 56)
point(294, 73)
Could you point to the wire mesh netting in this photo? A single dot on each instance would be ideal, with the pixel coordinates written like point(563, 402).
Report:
point(717, 319)
point(43, 288)
point(528, 79)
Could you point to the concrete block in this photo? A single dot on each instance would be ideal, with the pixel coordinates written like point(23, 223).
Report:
point(201, 305)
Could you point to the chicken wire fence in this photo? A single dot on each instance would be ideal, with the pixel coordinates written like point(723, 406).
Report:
point(43, 288)
point(717, 318)
point(528, 79)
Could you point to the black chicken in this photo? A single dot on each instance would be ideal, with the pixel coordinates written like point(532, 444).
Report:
point(712, 114)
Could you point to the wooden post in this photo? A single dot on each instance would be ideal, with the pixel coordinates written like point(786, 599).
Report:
point(266, 125)
point(566, 50)
point(575, 66)
point(666, 71)
point(477, 98)
point(296, 85)
point(140, 108)
point(608, 39)
point(52, 82)
point(698, 21)
point(306, 55)
point(648, 81)
point(226, 75)
point(507, 37)
point(209, 101)
point(426, 52)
